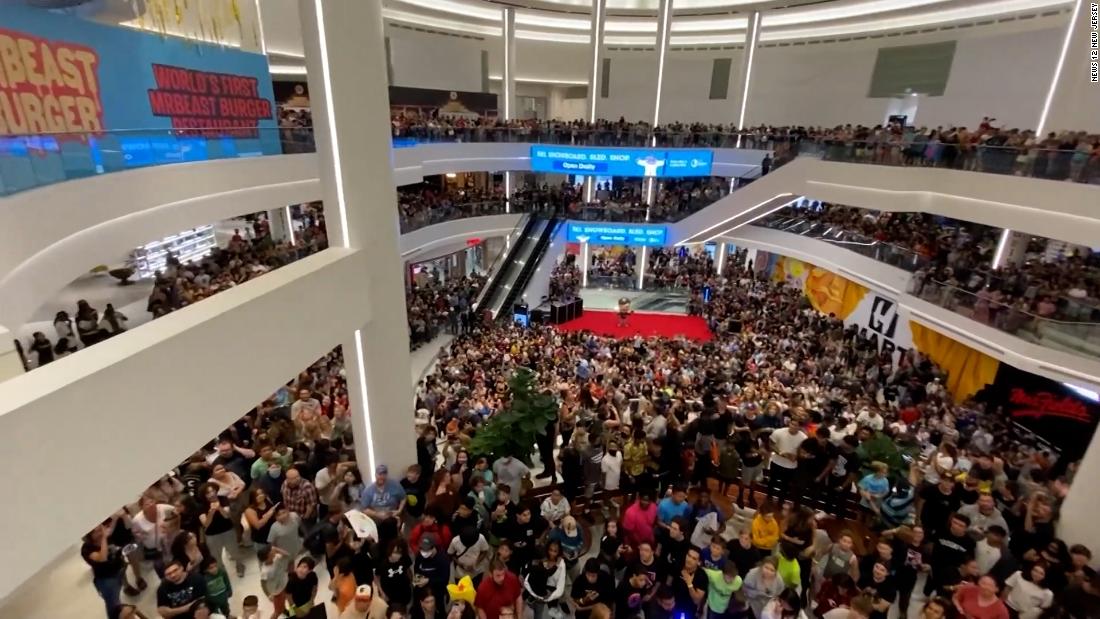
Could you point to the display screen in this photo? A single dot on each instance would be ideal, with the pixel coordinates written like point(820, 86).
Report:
point(616, 234)
point(670, 163)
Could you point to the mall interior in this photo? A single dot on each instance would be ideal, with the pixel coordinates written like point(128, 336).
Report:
point(550, 308)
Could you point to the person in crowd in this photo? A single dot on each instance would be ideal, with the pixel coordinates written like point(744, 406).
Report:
point(179, 591)
point(1025, 595)
point(980, 601)
point(762, 585)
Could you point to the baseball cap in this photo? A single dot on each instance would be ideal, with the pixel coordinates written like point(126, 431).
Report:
point(363, 593)
point(427, 542)
point(381, 469)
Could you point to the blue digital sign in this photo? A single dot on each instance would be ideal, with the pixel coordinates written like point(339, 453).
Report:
point(670, 163)
point(596, 233)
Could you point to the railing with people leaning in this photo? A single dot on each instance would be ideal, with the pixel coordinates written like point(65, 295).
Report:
point(29, 161)
point(880, 251)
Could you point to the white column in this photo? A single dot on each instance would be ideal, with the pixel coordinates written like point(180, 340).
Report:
point(595, 71)
point(345, 58)
point(1011, 248)
point(508, 91)
point(664, 30)
point(1073, 96)
point(282, 225)
point(508, 84)
point(1077, 517)
point(721, 257)
point(752, 37)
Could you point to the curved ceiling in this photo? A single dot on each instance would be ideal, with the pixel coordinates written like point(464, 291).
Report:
point(703, 22)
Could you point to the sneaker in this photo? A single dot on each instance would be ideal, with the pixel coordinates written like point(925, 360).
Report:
point(131, 591)
point(544, 475)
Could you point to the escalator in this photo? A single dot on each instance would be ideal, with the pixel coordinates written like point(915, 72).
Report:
point(511, 279)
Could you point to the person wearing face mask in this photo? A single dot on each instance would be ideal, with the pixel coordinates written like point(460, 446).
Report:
point(431, 568)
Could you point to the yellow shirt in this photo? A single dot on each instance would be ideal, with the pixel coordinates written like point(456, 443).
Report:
point(765, 532)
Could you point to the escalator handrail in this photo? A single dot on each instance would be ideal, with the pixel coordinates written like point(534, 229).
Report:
point(494, 284)
point(528, 269)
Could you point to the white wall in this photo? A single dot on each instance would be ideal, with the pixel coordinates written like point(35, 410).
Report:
point(546, 60)
point(1001, 71)
point(1076, 104)
point(632, 93)
point(557, 106)
point(686, 91)
point(426, 60)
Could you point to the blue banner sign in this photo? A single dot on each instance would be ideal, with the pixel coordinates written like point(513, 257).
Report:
point(661, 163)
point(75, 79)
point(616, 234)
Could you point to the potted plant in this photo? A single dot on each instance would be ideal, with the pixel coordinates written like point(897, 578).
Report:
point(513, 430)
point(123, 275)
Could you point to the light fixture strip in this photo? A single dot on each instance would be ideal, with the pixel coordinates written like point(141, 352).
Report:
point(1058, 70)
point(1002, 244)
point(662, 51)
point(362, 371)
point(750, 45)
point(597, 42)
point(330, 112)
point(259, 29)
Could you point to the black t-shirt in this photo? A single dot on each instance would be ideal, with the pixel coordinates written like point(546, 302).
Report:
point(44, 351)
point(172, 595)
point(949, 551)
point(812, 458)
point(218, 522)
point(362, 565)
point(684, 602)
point(744, 558)
point(629, 599)
point(847, 463)
point(109, 567)
point(301, 590)
point(414, 497)
point(654, 572)
point(885, 590)
point(395, 580)
point(937, 507)
point(588, 593)
point(672, 553)
point(436, 568)
point(524, 537)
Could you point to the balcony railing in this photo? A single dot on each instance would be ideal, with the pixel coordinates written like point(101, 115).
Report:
point(36, 160)
point(1077, 336)
point(894, 255)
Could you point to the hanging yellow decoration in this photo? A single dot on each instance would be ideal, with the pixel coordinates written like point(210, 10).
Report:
point(179, 12)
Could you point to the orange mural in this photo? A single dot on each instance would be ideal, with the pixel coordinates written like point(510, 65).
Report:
point(828, 292)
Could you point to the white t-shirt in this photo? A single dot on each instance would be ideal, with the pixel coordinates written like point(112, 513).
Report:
point(325, 485)
point(147, 531)
point(1026, 597)
point(865, 419)
point(612, 467)
point(986, 556)
point(786, 443)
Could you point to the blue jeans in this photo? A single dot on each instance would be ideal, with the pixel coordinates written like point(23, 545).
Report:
point(109, 589)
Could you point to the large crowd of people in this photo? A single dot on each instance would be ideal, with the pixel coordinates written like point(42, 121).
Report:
point(786, 468)
point(952, 263)
point(1064, 155)
point(435, 306)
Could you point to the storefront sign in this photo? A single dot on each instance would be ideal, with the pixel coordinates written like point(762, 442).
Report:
point(671, 163)
point(79, 80)
point(616, 234)
point(1064, 418)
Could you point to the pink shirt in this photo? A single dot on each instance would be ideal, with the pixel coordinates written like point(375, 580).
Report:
point(639, 524)
point(972, 609)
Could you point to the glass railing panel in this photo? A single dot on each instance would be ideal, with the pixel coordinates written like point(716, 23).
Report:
point(1054, 164)
point(1081, 336)
point(894, 255)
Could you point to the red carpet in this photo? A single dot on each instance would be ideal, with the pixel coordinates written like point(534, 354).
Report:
point(647, 325)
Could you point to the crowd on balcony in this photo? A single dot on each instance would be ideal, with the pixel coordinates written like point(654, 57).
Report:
point(757, 475)
point(565, 280)
point(247, 255)
point(436, 305)
point(624, 199)
point(952, 263)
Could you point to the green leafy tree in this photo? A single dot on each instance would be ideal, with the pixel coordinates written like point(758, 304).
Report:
point(881, 448)
point(512, 431)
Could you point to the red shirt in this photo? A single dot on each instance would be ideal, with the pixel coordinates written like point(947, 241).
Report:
point(968, 599)
point(492, 597)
